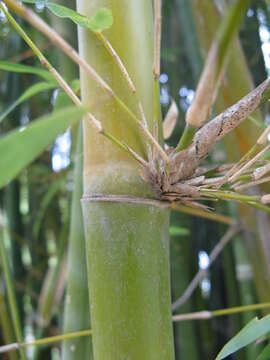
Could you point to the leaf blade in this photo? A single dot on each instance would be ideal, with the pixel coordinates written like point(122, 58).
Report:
point(250, 333)
point(26, 69)
point(31, 91)
point(22, 146)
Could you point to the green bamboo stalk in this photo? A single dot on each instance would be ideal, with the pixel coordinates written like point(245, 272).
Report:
point(6, 327)
point(126, 231)
point(77, 316)
point(11, 295)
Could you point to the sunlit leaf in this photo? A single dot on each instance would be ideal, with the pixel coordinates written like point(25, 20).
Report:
point(250, 333)
point(31, 91)
point(65, 12)
point(102, 20)
point(20, 147)
point(25, 69)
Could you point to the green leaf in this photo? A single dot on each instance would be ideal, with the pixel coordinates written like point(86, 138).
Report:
point(62, 100)
point(65, 12)
point(178, 231)
point(31, 91)
point(20, 147)
point(102, 20)
point(25, 69)
point(250, 333)
point(265, 354)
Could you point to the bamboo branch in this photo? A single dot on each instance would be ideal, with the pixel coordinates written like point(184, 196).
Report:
point(186, 162)
point(231, 232)
point(203, 214)
point(212, 73)
point(206, 315)
point(56, 39)
point(44, 341)
point(68, 90)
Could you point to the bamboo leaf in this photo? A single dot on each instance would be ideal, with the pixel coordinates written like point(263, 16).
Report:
point(22, 146)
point(102, 20)
point(250, 333)
point(25, 69)
point(31, 91)
point(64, 12)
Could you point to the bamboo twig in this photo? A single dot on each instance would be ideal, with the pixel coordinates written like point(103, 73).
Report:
point(248, 164)
point(231, 232)
point(206, 315)
point(251, 184)
point(67, 89)
point(203, 214)
point(124, 71)
point(44, 341)
point(56, 39)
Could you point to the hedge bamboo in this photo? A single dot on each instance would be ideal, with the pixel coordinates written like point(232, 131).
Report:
point(126, 231)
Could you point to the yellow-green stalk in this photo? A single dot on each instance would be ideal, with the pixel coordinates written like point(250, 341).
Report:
point(126, 230)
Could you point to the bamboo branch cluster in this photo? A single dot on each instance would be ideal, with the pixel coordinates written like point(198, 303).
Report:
point(175, 174)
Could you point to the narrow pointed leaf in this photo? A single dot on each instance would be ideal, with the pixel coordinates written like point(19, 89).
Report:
point(64, 12)
point(31, 91)
point(250, 333)
point(25, 69)
point(102, 19)
point(22, 146)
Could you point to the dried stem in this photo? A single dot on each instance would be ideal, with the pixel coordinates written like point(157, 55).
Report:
point(231, 232)
point(125, 73)
point(203, 214)
point(156, 69)
point(251, 184)
point(188, 160)
point(248, 164)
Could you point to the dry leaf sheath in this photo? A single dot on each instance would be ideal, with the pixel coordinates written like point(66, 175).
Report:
point(183, 179)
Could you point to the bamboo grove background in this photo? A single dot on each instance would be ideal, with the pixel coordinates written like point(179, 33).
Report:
point(39, 211)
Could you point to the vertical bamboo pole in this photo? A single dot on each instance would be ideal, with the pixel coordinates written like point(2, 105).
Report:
point(126, 230)
point(77, 315)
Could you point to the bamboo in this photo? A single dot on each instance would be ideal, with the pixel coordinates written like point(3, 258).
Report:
point(77, 315)
point(239, 143)
point(126, 231)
